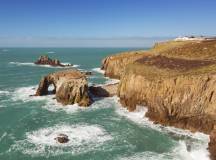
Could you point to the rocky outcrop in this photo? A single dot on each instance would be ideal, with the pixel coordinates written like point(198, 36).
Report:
point(182, 101)
point(212, 144)
point(62, 138)
point(104, 91)
point(175, 80)
point(45, 60)
point(70, 86)
point(114, 66)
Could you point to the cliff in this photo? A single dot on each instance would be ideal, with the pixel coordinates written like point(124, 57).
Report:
point(175, 80)
point(114, 66)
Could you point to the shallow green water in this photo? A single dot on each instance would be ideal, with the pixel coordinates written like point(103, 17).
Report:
point(104, 131)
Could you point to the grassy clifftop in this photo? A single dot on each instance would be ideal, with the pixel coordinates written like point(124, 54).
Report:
point(174, 58)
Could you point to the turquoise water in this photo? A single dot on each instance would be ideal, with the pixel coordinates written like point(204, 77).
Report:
point(104, 131)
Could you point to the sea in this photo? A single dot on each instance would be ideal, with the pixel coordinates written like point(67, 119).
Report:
point(103, 131)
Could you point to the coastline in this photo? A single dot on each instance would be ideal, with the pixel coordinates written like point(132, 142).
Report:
point(174, 79)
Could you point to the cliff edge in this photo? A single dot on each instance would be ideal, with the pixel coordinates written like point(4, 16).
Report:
point(175, 80)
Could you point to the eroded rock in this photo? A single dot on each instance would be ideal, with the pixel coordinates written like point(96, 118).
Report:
point(45, 60)
point(175, 80)
point(70, 87)
point(104, 91)
point(62, 138)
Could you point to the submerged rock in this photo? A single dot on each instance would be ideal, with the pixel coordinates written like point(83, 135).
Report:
point(45, 60)
point(87, 73)
point(62, 138)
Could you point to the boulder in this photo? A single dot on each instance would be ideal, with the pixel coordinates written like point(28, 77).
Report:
point(104, 91)
point(62, 138)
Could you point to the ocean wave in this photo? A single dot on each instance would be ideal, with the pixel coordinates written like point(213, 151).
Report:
point(3, 136)
point(82, 138)
point(4, 93)
point(51, 52)
point(112, 81)
point(47, 66)
point(54, 106)
point(51, 104)
point(23, 94)
point(98, 70)
point(198, 142)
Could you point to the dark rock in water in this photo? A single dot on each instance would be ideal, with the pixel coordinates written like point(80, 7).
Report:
point(45, 60)
point(87, 73)
point(62, 138)
point(104, 91)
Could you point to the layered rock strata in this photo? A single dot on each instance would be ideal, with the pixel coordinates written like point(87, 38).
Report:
point(175, 80)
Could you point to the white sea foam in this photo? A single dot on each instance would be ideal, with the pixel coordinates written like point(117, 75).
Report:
point(198, 144)
point(47, 66)
point(54, 106)
point(4, 93)
point(82, 138)
point(23, 94)
point(148, 156)
point(2, 106)
point(51, 52)
point(180, 152)
point(51, 104)
point(197, 151)
point(112, 81)
point(2, 136)
point(98, 70)
point(75, 65)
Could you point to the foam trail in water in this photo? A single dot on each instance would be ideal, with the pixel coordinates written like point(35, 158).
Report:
point(4, 93)
point(82, 138)
point(2, 136)
point(51, 52)
point(47, 66)
point(198, 144)
point(98, 70)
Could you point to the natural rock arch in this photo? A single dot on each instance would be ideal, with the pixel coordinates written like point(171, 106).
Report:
point(70, 86)
point(43, 88)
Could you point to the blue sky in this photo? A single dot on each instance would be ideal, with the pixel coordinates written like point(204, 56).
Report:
point(102, 22)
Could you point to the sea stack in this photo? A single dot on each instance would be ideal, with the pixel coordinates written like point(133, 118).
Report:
point(70, 87)
point(45, 60)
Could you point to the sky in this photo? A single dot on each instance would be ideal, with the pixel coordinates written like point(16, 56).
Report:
point(102, 23)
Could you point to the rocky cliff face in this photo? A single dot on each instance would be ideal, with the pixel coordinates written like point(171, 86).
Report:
point(70, 87)
point(183, 101)
point(114, 66)
point(212, 144)
point(104, 91)
point(176, 81)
